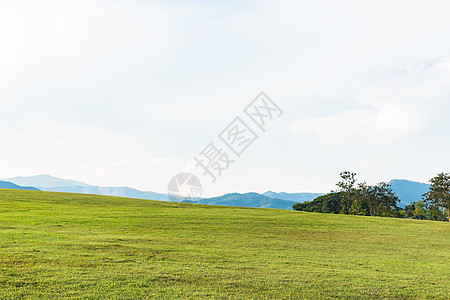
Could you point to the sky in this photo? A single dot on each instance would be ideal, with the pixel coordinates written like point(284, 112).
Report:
point(127, 93)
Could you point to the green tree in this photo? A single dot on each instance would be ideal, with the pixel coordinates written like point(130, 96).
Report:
point(438, 197)
point(347, 188)
point(357, 199)
point(300, 206)
point(420, 211)
point(366, 194)
point(379, 199)
point(409, 209)
point(329, 203)
point(385, 199)
point(361, 200)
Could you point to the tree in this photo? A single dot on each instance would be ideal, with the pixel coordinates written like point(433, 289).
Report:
point(366, 194)
point(300, 206)
point(379, 198)
point(329, 203)
point(347, 187)
point(386, 199)
point(362, 201)
point(420, 211)
point(439, 194)
point(409, 209)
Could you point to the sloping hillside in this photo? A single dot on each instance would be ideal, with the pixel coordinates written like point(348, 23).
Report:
point(56, 245)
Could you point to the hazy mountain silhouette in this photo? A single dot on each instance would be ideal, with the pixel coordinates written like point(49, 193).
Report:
point(109, 191)
point(54, 184)
point(45, 181)
point(408, 191)
point(12, 186)
point(294, 197)
point(245, 200)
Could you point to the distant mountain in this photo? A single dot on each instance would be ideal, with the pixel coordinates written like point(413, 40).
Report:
point(45, 181)
point(408, 191)
point(294, 197)
point(52, 184)
point(109, 191)
point(245, 200)
point(12, 186)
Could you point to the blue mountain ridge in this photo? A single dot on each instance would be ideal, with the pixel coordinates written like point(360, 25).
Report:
point(12, 186)
point(294, 197)
point(245, 200)
point(408, 191)
point(53, 184)
point(109, 191)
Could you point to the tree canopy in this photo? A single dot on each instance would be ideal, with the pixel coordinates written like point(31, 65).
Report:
point(356, 199)
point(437, 199)
point(379, 200)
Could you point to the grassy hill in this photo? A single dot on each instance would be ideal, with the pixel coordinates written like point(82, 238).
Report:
point(55, 245)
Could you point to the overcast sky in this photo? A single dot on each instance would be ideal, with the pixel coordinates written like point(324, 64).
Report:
point(126, 93)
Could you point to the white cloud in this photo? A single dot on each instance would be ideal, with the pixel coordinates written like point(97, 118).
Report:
point(105, 91)
point(368, 126)
point(391, 109)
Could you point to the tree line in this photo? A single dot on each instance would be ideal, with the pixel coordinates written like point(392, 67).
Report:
point(355, 198)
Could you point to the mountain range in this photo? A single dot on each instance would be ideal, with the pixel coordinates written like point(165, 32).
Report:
point(245, 200)
point(294, 197)
point(45, 181)
point(408, 191)
point(53, 184)
point(12, 186)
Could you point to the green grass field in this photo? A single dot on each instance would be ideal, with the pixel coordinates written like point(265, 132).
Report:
point(56, 245)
